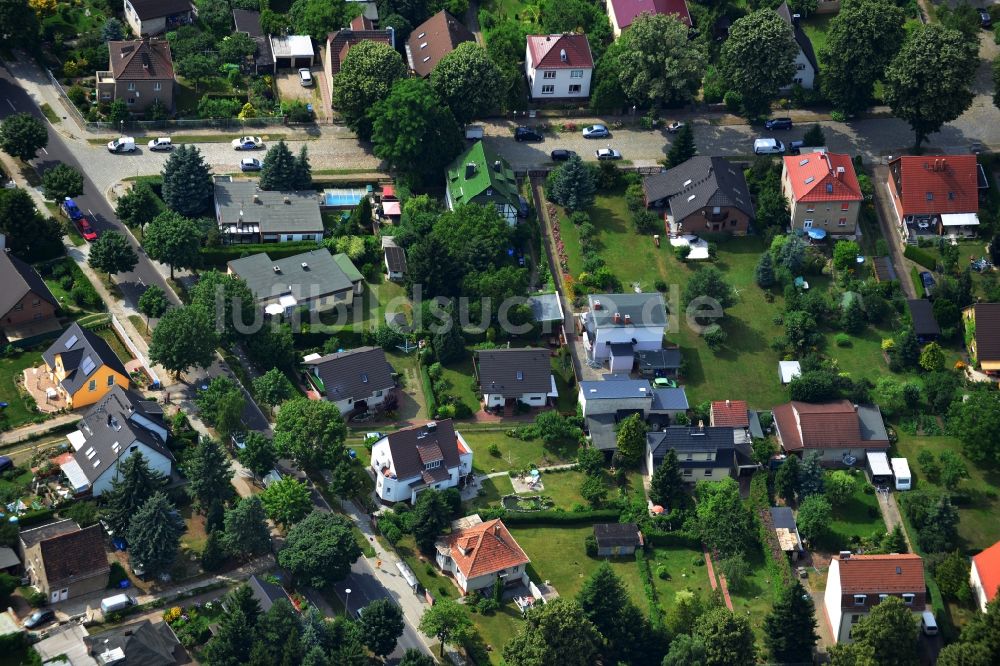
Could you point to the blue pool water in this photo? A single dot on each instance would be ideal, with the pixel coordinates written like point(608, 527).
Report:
point(342, 198)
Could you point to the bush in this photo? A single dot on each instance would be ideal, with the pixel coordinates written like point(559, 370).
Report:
point(662, 573)
point(733, 101)
point(116, 576)
point(660, 286)
point(34, 598)
point(843, 340)
point(920, 256)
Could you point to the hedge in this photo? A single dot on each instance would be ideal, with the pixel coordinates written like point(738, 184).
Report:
point(428, 387)
point(671, 540)
point(655, 612)
point(557, 518)
point(35, 517)
point(219, 256)
point(920, 256)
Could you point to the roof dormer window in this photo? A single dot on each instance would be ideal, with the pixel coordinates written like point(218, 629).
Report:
point(860, 599)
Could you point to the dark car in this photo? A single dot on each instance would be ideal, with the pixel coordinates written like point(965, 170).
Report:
point(5, 463)
point(39, 617)
point(778, 124)
point(72, 211)
point(560, 155)
point(928, 281)
point(527, 134)
point(984, 18)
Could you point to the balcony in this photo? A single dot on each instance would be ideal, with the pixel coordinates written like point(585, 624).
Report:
point(105, 77)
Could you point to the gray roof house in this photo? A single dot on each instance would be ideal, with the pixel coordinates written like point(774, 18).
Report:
point(605, 403)
point(925, 325)
point(706, 194)
point(315, 280)
point(84, 366)
point(248, 214)
point(704, 453)
point(265, 592)
point(659, 362)
point(248, 21)
point(806, 66)
point(522, 374)
point(617, 538)
point(356, 379)
point(546, 307)
point(147, 643)
point(616, 326)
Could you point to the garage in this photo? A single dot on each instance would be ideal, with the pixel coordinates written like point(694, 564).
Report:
point(292, 52)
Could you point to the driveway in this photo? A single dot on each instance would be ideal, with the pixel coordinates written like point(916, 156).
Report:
point(887, 224)
point(290, 88)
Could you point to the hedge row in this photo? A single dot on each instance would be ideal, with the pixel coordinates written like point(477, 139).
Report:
point(655, 612)
point(920, 256)
point(428, 387)
point(217, 257)
point(779, 569)
point(672, 540)
point(557, 518)
point(36, 517)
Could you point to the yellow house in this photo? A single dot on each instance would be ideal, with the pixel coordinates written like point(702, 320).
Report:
point(982, 336)
point(83, 367)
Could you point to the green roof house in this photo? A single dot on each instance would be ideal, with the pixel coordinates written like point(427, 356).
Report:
point(482, 177)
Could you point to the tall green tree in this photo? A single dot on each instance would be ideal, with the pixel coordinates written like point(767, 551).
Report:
point(728, 638)
point(184, 338)
point(709, 282)
point(278, 170)
point(887, 635)
point(790, 628)
point(209, 474)
point(556, 632)
point(666, 486)
point(187, 182)
point(811, 476)
point(246, 532)
point(929, 81)
point(686, 650)
point(310, 432)
point(229, 300)
point(62, 181)
point(198, 67)
point(302, 170)
point(660, 65)
point(134, 483)
point(814, 136)
point(572, 185)
point(18, 24)
point(414, 657)
point(138, 206)
point(682, 148)
point(22, 135)
point(468, 82)
point(447, 621)
point(258, 454)
point(430, 516)
point(758, 59)
point(320, 549)
point(173, 240)
point(965, 654)
point(606, 603)
point(153, 303)
point(154, 533)
point(840, 487)
point(724, 522)
point(975, 421)
point(863, 38)
point(112, 253)
point(318, 18)
point(221, 404)
point(786, 480)
point(30, 236)
point(631, 439)
point(229, 646)
point(286, 501)
point(272, 388)
point(366, 76)
point(382, 625)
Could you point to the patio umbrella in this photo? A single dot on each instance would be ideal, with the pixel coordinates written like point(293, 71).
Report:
point(657, 509)
point(816, 234)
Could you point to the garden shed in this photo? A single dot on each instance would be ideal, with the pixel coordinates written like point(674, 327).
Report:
point(617, 539)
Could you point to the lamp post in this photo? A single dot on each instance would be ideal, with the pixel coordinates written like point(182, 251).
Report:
point(347, 601)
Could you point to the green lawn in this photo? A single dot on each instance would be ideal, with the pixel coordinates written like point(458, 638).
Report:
point(438, 584)
point(978, 526)
point(682, 573)
point(115, 343)
point(514, 453)
point(17, 411)
point(494, 632)
point(859, 517)
point(462, 378)
point(490, 492)
point(755, 597)
point(69, 267)
point(816, 28)
point(564, 488)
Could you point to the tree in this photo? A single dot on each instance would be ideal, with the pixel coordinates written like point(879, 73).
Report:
point(468, 82)
point(430, 517)
point(666, 487)
point(448, 343)
point(852, 319)
point(412, 131)
point(209, 475)
point(888, 635)
point(174, 240)
point(728, 638)
point(790, 628)
point(197, 67)
point(320, 549)
point(365, 78)
point(310, 432)
point(812, 385)
point(414, 657)
point(153, 303)
point(62, 181)
point(953, 469)
point(22, 135)
point(556, 632)
point(184, 338)
point(272, 388)
point(133, 484)
point(187, 182)
point(594, 491)
point(246, 532)
point(553, 427)
point(686, 650)
point(862, 40)
point(932, 357)
point(840, 487)
point(318, 18)
point(118, 113)
point(928, 83)
point(278, 170)
point(935, 519)
point(19, 24)
point(286, 501)
point(975, 421)
point(228, 299)
point(814, 517)
point(237, 48)
point(221, 405)
point(447, 621)
point(606, 603)
point(708, 282)
point(786, 480)
point(112, 253)
point(772, 209)
point(631, 439)
point(258, 454)
point(952, 576)
point(758, 59)
point(137, 207)
point(965, 654)
point(382, 625)
point(811, 481)
point(682, 148)
point(815, 137)
point(907, 349)
point(229, 645)
point(845, 254)
point(572, 185)
point(894, 541)
point(154, 534)
point(302, 170)
point(764, 273)
point(723, 521)
point(659, 64)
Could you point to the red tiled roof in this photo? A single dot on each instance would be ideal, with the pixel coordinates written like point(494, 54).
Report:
point(988, 566)
point(626, 11)
point(74, 556)
point(951, 182)
point(546, 51)
point(730, 413)
point(881, 574)
point(489, 547)
point(804, 425)
point(816, 177)
point(140, 59)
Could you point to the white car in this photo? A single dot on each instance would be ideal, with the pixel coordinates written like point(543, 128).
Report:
point(675, 127)
point(123, 144)
point(162, 143)
point(596, 132)
point(248, 143)
point(305, 77)
point(607, 154)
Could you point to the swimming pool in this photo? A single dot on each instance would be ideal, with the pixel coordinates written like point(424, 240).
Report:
point(343, 198)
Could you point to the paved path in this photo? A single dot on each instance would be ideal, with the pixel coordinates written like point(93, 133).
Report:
point(887, 222)
point(891, 516)
point(36, 429)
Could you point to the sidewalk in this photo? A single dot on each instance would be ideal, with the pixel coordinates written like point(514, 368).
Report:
point(35, 429)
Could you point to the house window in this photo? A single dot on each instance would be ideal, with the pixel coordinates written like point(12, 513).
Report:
point(689, 456)
point(111, 380)
point(106, 95)
point(908, 599)
point(19, 307)
point(131, 100)
point(842, 222)
point(930, 196)
point(432, 464)
point(574, 88)
point(797, 79)
point(708, 472)
point(93, 385)
point(951, 196)
point(860, 599)
point(810, 209)
point(550, 74)
point(882, 597)
point(157, 86)
point(807, 224)
point(688, 472)
point(131, 86)
point(308, 237)
point(35, 303)
point(800, 66)
point(844, 206)
point(548, 90)
point(576, 74)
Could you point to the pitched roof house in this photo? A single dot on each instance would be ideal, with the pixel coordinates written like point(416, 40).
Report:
point(119, 425)
point(314, 280)
point(623, 12)
point(408, 461)
point(704, 453)
point(806, 66)
point(984, 577)
point(558, 66)
point(151, 17)
point(839, 430)
point(934, 192)
point(615, 326)
point(355, 380)
point(83, 367)
point(982, 327)
point(248, 214)
point(340, 42)
point(857, 583)
point(141, 72)
point(266, 593)
point(433, 39)
point(734, 414)
point(63, 561)
point(147, 643)
point(823, 192)
point(704, 194)
point(25, 300)
point(508, 375)
point(615, 539)
point(395, 259)
point(476, 556)
point(482, 177)
point(925, 325)
point(248, 21)
point(658, 362)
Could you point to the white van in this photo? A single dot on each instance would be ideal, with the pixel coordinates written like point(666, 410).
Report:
point(901, 474)
point(768, 147)
point(117, 603)
point(123, 144)
point(928, 624)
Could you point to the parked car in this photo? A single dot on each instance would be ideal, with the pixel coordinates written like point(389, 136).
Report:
point(117, 603)
point(561, 155)
point(39, 617)
point(778, 124)
point(86, 229)
point(768, 147)
point(675, 127)
point(5, 463)
point(607, 154)
point(984, 18)
point(250, 164)
point(248, 143)
point(305, 77)
point(72, 211)
point(928, 281)
point(596, 132)
point(795, 147)
point(527, 134)
point(162, 143)
point(123, 144)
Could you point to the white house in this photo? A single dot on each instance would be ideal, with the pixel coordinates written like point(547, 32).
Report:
point(356, 380)
point(522, 375)
point(477, 555)
point(806, 65)
point(857, 583)
point(411, 460)
point(617, 325)
point(558, 66)
point(117, 426)
point(984, 576)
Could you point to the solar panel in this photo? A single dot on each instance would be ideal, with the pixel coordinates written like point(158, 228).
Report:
point(88, 365)
point(72, 341)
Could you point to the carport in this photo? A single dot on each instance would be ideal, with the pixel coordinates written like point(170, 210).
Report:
point(292, 52)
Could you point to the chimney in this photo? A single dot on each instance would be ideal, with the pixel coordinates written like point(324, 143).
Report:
point(840, 173)
point(276, 269)
point(256, 199)
point(496, 166)
point(618, 318)
point(729, 403)
point(597, 304)
point(701, 425)
point(845, 554)
point(944, 164)
point(288, 201)
point(305, 265)
point(628, 319)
